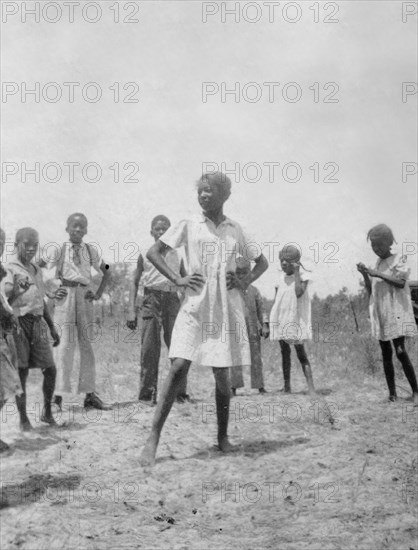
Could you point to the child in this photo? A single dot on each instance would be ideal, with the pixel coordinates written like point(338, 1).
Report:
point(391, 312)
point(159, 309)
point(75, 313)
point(290, 316)
point(9, 378)
point(255, 318)
point(213, 309)
point(31, 334)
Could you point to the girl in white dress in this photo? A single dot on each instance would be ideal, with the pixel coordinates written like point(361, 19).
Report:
point(210, 328)
point(391, 312)
point(290, 316)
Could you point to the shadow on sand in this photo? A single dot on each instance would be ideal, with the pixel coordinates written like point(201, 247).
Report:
point(38, 487)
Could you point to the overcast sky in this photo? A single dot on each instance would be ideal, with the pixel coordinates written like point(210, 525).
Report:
point(171, 132)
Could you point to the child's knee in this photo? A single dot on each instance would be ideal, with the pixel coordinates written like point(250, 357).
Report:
point(400, 351)
point(180, 367)
point(223, 380)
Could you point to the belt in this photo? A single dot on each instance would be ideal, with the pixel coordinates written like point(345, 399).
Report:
point(158, 291)
point(65, 282)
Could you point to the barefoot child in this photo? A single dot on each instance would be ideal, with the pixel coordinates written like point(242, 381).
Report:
point(31, 335)
point(159, 310)
point(391, 312)
point(75, 312)
point(290, 316)
point(212, 314)
point(257, 325)
point(9, 377)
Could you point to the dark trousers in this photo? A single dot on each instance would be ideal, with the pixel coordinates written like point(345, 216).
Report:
point(159, 311)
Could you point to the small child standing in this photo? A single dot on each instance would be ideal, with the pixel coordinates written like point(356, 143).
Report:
point(257, 325)
point(31, 334)
point(75, 312)
point(290, 316)
point(159, 310)
point(391, 312)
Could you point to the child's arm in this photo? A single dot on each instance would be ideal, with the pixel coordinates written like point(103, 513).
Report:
point(50, 323)
point(394, 281)
point(90, 295)
point(13, 288)
point(156, 256)
point(300, 286)
point(262, 316)
point(133, 291)
point(365, 272)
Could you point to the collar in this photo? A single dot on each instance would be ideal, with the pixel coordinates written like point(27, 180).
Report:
point(204, 219)
point(16, 261)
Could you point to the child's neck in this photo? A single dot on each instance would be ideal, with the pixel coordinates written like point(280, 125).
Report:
point(216, 216)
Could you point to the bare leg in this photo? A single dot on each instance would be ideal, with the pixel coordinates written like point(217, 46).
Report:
point(284, 346)
point(25, 425)
point(306, 367)
point(48, 388)
point(3, 446)
point(386, 348)
point(177, 374)
point(223, 397)
point(407, 366)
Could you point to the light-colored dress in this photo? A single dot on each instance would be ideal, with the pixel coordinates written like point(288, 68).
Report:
point(210, 328)
point(391, 312)
point(290, 316)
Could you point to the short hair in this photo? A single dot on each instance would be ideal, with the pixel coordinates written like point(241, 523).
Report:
point(25, 232)
point(381, 232)
point(77, 215)
point(219, 179)
point(160, 218)
point(290, 253)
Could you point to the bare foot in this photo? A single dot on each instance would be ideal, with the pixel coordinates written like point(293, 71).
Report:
point(3, 446)
point(49, 419)
point(147, 458)
point(225, 446)
point(25, 425)
point(393, 398)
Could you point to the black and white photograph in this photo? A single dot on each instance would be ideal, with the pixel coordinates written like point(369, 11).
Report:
point(209, 275)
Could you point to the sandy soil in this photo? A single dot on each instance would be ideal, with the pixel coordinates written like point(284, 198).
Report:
point(296, 480)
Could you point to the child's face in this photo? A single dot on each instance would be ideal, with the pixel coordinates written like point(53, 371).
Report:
point(242, 272)
point(381, 247)
point(159, 228)
point(76, 229)
point(287, 266)
point(210, 196)
point(27, 247)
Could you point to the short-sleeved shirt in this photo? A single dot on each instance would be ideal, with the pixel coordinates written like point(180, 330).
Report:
point(290, 316)
point(391, 312)
point(80, 271)
point(31, 301)
point(210, 328)
point(153, 279)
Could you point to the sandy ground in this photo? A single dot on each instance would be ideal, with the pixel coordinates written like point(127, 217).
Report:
point(295, 481)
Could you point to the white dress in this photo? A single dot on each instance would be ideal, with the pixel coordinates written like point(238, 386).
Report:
point(210, 328)
point(290, 317)
point(391, 312)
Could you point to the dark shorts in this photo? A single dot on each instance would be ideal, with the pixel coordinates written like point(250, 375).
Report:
point(33, 344)
point(159, 305)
